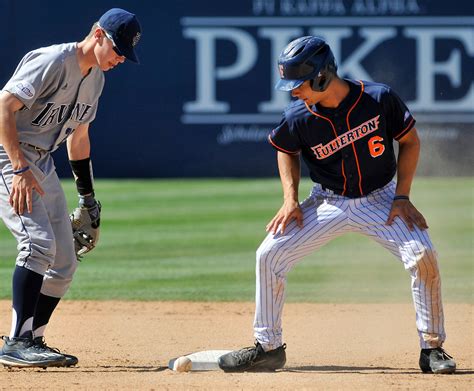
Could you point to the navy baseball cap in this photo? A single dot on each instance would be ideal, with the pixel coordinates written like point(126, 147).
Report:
point(123, 28)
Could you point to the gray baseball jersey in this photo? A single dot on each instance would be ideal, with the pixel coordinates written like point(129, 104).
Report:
point(57, 99)
point(56, 96)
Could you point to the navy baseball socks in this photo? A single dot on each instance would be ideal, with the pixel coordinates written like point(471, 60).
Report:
point(20, 350)
point(253, 359)
point(44, 309)
point(26, 286)
point(436, 361)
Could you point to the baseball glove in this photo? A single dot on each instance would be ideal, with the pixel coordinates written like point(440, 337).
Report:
point(85, 223)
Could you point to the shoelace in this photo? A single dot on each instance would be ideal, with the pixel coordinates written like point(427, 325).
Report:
point(247, 354)
point(40, 344)
point(444, 355)
point(250, 353)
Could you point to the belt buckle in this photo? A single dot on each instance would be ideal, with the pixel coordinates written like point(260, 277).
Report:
point(34, 147)
point(329, 191)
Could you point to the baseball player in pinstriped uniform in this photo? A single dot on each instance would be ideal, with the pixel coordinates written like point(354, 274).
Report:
point(344, 131)
point(52, 96)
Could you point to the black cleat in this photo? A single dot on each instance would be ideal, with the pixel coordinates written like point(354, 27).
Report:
point(436, 361)
point(22, 352)
point(70, 359)
point(254, 359)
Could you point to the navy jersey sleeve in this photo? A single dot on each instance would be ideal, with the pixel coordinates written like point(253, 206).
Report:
point(399, 119)
point(284, 139)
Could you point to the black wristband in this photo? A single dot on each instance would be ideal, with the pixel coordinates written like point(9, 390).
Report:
point(21, 170)
point(82, 170)
point(401, 197)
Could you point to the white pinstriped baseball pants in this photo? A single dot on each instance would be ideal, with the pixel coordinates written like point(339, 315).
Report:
point(327, 216)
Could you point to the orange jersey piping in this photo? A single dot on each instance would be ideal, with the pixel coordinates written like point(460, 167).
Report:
point(281, 149)
point(406, 130)
point(353, 146)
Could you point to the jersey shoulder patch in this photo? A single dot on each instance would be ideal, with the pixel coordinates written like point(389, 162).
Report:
point(23, 89)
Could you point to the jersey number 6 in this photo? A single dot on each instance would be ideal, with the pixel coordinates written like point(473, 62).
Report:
point(376, 147)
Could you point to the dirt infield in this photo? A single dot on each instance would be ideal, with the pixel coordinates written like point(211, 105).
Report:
point(127, 345)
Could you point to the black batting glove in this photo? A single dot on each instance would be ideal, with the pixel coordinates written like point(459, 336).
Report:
point(93, 207)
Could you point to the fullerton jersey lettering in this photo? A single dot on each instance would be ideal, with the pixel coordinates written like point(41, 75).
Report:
point(349, 149)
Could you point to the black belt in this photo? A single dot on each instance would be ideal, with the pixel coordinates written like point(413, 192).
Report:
point(331, 190)
point(34, 147)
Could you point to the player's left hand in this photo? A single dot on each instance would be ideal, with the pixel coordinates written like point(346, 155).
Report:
point(408, 213)
point(85, 222)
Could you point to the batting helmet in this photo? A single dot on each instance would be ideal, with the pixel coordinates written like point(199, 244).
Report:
point(306, 58)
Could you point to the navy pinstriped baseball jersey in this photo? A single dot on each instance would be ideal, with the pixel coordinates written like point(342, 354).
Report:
point(348, 149)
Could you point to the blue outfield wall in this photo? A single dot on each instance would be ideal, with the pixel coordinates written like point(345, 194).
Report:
point(202, 101)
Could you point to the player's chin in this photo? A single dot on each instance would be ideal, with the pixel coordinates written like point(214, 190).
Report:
point(108, 66)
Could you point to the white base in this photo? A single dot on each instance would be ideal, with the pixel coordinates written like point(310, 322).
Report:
point(205, 360)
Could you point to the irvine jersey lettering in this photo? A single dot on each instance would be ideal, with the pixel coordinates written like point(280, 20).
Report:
point(56, 97)
point(349, 149)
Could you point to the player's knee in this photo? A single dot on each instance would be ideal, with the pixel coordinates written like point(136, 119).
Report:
point(64, 285)
point(261, 257)
point(46, 249)
point(261, 253)
point(39, 255)
point(265, 253)
point(427, 265)
point(65, 271)
point(58, 279)
point(272, 259)
point(430, 261)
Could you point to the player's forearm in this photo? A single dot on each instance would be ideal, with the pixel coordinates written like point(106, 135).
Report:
point(407, 161)
point(9, 137)
point(78, 144)
point(289, 167)
point(79, 150)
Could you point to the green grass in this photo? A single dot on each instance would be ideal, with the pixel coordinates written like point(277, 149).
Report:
point(196, 240)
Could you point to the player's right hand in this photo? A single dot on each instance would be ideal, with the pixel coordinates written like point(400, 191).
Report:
point(289, 211)
point(22, 192)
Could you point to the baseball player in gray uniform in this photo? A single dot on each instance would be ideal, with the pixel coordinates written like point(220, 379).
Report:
point(344, 131)
point(51, 98)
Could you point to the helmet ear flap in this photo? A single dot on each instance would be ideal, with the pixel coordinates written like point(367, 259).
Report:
point(324, 77)
point(321, 82)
